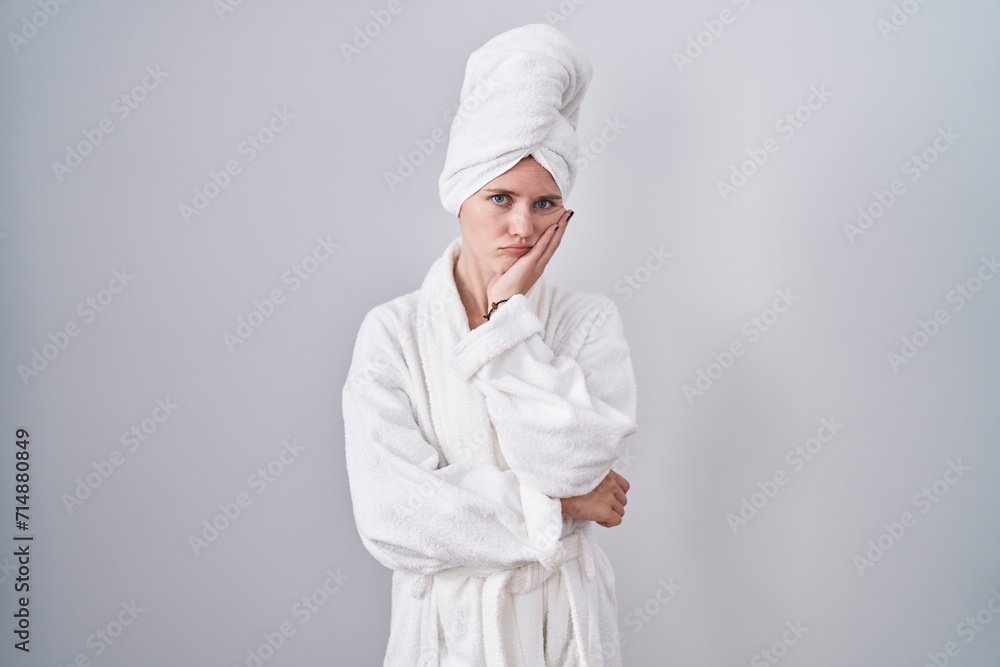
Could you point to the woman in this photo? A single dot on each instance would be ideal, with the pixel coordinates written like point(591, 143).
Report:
point(483, 412)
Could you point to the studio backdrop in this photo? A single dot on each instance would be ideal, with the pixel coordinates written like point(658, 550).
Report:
point(793, 206)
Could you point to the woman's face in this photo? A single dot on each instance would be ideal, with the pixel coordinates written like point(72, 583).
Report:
point(513, 209)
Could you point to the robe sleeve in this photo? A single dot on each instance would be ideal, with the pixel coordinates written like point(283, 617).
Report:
point(413, 515)
point(560, 418)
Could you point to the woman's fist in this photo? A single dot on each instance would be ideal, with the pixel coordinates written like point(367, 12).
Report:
point(605, 504)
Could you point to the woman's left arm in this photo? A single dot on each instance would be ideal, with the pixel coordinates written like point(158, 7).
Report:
point(560, 420)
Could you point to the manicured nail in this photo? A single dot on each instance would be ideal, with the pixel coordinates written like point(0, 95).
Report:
point(570, 216)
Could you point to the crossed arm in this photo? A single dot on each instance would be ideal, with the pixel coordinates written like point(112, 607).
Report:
point(560, 421)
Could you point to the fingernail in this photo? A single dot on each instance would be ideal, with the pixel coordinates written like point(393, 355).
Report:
point(570, 216)
point(556, 229)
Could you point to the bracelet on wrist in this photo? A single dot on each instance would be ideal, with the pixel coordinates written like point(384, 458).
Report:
point(493, 308)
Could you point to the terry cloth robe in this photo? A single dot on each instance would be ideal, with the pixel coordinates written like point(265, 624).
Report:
point(459, 444)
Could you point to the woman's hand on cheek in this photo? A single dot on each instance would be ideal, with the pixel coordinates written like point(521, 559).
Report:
point(528, 268)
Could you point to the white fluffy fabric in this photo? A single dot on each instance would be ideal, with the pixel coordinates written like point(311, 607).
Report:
point(521, 96)
point(459, 445)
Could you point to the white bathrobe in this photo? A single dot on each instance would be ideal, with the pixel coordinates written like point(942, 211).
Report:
point(459, 445)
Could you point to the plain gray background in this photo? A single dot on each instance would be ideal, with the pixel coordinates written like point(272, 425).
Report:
point(671, 131)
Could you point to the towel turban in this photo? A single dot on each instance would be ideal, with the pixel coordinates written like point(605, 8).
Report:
point(521, 96)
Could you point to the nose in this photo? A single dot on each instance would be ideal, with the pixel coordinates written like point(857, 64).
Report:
point(521, 222)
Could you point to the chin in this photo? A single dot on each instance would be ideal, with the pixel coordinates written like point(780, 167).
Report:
point(493, 259)
point(504, 262)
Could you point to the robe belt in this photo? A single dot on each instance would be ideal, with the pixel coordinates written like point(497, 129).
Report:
point(512, 581)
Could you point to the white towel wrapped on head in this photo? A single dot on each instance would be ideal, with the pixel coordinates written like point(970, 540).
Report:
point(534, 80)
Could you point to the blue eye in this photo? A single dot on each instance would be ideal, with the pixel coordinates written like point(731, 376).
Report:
point(544, 201)
point(494, 199)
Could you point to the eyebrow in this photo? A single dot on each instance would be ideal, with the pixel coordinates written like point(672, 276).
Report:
point(501, 191)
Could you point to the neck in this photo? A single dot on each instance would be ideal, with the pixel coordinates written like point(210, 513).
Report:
point(471, 279)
